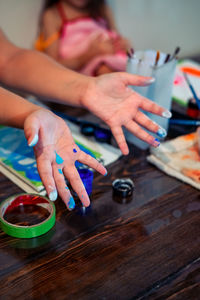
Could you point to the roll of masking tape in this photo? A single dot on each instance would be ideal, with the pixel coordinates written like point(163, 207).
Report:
point(22, 202)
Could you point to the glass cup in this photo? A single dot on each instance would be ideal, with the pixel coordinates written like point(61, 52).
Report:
point(160, 92)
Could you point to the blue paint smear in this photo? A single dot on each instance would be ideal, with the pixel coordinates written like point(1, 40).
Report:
point(59, 159)
point(60, 171)
point(71, 203)
point(74, 150)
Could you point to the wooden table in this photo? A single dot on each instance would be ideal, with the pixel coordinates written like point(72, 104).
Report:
point(148, 248)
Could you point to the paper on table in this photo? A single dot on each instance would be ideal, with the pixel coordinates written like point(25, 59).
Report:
point(179, 158)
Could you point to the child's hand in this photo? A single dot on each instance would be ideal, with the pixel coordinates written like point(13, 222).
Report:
point(121, 44)
point(109, 97)
point(56, 153)
point(102, 46)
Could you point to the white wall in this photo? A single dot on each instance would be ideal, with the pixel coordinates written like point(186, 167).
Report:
point(160, 24)
point(157, 24)
point(18, 19)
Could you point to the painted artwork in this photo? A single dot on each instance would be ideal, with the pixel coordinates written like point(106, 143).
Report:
point(179, 158)
point(18, 158)
point(181, 92)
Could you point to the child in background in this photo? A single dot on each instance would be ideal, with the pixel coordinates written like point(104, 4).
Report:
point(81, 35)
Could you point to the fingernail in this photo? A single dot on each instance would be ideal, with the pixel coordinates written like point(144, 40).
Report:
point(53, 195)
point(156, 143)
point(166, 114)
point(161, 132)
point(71, 203)
point(34, 141)
point(150, 80)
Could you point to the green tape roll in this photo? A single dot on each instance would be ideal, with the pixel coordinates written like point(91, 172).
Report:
point(31, 231)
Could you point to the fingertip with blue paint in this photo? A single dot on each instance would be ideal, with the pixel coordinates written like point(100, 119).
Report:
point(156, 143)
point(53, 195)
point(60, 171)
point(161, 132)
point(106, 173)
point(34, 141)
point(71, 203)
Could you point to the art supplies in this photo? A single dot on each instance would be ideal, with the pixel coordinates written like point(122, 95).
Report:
point(192, 90)
point(87, 128)
point(181, 92)
point(198, 139)
point(157, 58)
point(185, 122)
point(179, 158)
point(27, 215)
point(160, 66)
point(176, 52)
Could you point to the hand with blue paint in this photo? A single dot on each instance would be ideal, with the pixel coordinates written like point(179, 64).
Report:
point(56, 154)
point(109, 97)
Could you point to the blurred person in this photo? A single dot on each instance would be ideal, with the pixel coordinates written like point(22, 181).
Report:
point(81, 35)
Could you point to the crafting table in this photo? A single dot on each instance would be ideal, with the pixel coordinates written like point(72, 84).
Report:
point(148, 248)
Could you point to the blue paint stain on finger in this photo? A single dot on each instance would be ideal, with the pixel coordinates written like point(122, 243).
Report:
point(59, 159)
point(74, 150)
point(71, 203)
point(66, 188)
point(60, 171)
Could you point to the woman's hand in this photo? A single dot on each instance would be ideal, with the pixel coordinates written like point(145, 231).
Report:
point(109, 97)
point(56, 153)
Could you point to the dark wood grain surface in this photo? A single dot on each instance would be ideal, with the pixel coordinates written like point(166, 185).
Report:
point(148, 248)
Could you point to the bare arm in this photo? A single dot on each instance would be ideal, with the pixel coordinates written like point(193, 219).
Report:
point(14, 109)
point(107, 96)
point(40, 75)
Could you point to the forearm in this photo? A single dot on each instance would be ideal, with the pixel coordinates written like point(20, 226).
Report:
point(78, 62)
point(14, 109)
point(38, 74)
